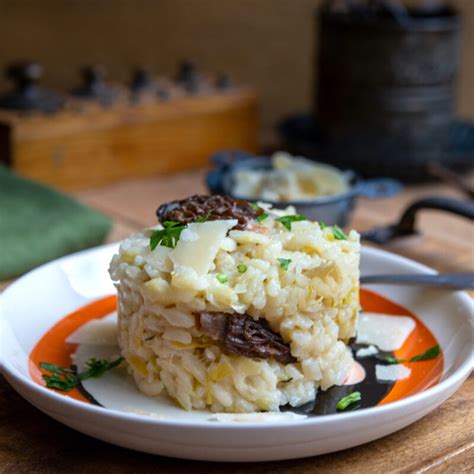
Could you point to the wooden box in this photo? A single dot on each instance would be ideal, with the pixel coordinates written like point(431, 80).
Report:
point(78, 149)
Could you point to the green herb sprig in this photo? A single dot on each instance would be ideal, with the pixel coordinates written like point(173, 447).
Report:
point(337, 232)
point(288, 220)
point(431, 353)
point(349, 401)
point(66, 378)
point(168, 236)
point(284, 263)
point(257, 208)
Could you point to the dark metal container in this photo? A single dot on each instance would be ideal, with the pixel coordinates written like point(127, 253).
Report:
point(386, 87)
point(331, 210)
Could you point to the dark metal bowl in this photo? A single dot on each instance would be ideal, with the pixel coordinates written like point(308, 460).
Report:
point(331, 210)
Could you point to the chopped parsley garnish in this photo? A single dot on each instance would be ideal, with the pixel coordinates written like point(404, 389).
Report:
point(64, 382)
point(222, 278)
point(349, 401)
point(97, 367)
point(254, 206)
point(54, 368)
point(262, 217)
point(241, 268)
point(284, 263)
point(168, 236)
point(338, 233)
point(431, 353)
point(66, 378)
point(288, 220)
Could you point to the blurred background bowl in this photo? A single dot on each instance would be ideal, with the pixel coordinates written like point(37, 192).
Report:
point(332, 210)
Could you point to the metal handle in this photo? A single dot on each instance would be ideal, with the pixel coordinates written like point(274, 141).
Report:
point(455, 281)
point(406, 224)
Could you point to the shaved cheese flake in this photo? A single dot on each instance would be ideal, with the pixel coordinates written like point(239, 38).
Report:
point(385, 331)
point(188, 235)
point(200, 245)
point(366, 351)
point(391, 373)
point(98, 332)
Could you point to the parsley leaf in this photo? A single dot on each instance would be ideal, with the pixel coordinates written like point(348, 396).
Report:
point(64, 384)
point(222, 278)
point(348, 401)
point(284, 263)
point(254, 206)
point(262, 217)
point(431, 353)
point(288, 220)
point(54, 368)
point(97, 367)
point(168, 236)
point(241, 268)
point(338, 233)
point(65, 378)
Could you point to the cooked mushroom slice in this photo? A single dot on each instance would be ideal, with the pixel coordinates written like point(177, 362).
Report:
point(211, 208)
point(241, 334)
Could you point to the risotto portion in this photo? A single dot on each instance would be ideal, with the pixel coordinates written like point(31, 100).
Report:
point(236, 307)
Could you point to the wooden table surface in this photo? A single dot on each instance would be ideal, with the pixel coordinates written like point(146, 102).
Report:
point(443, 441)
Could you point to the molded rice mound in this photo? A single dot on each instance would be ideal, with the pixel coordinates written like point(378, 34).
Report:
point(312, 305)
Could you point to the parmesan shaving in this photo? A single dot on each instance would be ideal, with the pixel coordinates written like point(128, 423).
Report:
point(366, 351)
point(200, 245)
point(391, 373)
point(385, 331)
point(98, 332)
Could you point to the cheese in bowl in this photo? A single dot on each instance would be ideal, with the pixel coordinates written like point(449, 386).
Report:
point(289, 179)
point(237, 307)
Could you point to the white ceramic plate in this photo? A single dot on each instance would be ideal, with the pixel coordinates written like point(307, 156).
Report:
point(34, 303)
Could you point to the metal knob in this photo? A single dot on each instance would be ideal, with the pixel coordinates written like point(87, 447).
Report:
point(94, 85)
point(189, 77)
point(27, 94)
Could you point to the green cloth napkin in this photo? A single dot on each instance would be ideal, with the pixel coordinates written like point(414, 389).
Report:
point(39, 224)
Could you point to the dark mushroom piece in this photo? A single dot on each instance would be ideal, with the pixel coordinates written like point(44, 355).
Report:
point(212, 208)
point(240, 334)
